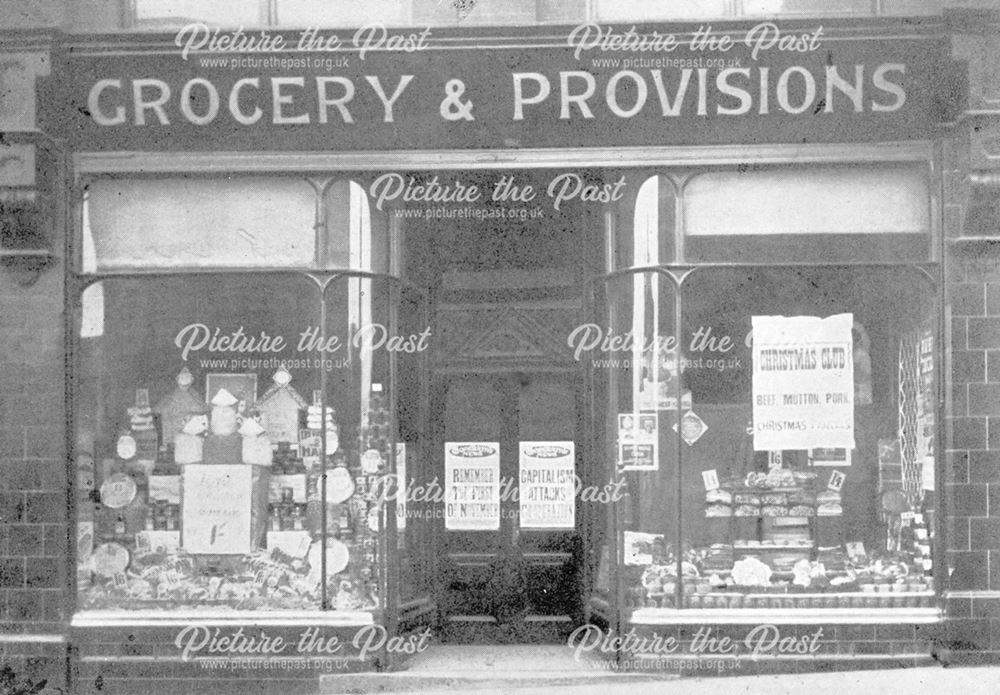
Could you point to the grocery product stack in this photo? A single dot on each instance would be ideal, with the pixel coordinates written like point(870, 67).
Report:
point(218, 504)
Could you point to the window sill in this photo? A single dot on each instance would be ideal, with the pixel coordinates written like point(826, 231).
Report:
point(165, 618)
point(784, 616)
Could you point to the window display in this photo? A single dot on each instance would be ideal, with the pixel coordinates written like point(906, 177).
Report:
point(238, 500)
point(235, 430)
point(720, 517)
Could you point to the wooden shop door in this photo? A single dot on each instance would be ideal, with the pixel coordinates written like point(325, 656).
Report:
point(513, 584)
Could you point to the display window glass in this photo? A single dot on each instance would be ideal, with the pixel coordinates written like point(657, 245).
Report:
point(834, 213)
point(200, 222)
point(776, 426)
point(720, 513)
point(236, 426)
point(411, 439)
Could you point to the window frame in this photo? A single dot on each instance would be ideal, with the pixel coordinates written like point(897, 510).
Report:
point(690, 158)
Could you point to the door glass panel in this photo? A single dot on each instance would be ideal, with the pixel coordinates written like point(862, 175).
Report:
point(547, 414)
point(473, 412)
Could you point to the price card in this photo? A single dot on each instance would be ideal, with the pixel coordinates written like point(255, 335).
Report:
point(371, 461)
point(171, 578)
point(118, 491)
point(142, 545)
point(217, 509)
point(158, 541)
point(293, 543)
point(836, 481)
point(166, 488)
point(711, 479)
point(855, 549)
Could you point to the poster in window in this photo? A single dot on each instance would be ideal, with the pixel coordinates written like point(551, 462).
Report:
point(803, 382)
point(547, 481)
point(216, 509)
point(639, 547)
point(638, 437)
point(829, 457)
point(472, 486)
point(637, 456)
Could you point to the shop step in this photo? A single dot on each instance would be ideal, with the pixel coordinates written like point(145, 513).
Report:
point(485, 668)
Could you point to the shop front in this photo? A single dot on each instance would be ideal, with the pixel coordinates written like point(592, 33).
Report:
point(630, 344)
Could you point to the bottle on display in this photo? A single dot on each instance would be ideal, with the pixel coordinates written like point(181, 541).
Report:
point(322, 419)
point(143, 427)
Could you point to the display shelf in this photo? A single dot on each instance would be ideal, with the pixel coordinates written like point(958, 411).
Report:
point(834, 607)
point(762, 516)
point(778, 498)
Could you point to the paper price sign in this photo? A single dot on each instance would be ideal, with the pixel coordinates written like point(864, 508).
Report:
point(836, 481)
point(216, 508)
point(711, 479)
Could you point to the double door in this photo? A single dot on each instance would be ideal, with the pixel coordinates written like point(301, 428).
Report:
point(516, 582)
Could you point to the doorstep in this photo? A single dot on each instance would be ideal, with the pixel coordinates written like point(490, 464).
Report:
point(485, 667)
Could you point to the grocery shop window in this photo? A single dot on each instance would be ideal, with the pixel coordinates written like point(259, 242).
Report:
point(232, 395)
point(714, 521)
